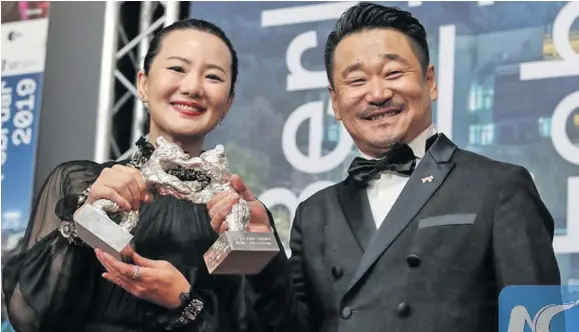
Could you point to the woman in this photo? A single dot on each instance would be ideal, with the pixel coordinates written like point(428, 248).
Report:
point(58, 284)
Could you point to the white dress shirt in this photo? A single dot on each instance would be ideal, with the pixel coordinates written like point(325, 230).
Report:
point(383, 192)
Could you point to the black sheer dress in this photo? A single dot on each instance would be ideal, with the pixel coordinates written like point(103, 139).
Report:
point(52, 285)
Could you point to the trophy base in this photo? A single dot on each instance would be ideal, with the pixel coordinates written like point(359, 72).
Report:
point(241, 253)
point(99, 231)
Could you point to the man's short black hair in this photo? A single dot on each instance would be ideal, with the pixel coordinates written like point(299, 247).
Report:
point(366, 16)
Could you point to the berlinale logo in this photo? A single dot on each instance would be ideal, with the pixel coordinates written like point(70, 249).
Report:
point(539, 309)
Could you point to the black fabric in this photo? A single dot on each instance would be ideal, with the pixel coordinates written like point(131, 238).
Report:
point(358, 213)
point(52, 285)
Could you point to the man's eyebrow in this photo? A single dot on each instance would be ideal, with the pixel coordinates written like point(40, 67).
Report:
point(351, 68)
point(388, 56)
point(394, 57)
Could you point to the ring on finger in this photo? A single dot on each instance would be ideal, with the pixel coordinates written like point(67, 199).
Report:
point(137, 273)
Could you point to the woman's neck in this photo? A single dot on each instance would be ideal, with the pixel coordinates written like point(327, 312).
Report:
point(191, 145)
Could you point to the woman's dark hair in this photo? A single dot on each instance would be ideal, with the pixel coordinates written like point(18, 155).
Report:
point(195, 24)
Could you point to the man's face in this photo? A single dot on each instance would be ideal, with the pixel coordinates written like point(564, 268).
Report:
point(381, 93)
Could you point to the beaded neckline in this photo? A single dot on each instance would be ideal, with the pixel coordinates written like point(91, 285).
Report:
point(143, 154)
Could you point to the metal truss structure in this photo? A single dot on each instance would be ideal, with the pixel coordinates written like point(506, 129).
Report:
point(129, 26)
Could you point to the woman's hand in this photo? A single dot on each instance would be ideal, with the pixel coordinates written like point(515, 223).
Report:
point(220, 206)
point(155, 281)
point(121, 184)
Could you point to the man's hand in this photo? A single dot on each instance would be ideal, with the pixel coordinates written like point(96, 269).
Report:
point(220, 206)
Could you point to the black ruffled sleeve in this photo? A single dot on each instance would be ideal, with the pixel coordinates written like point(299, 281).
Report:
point(47, 284)
point(53, 285)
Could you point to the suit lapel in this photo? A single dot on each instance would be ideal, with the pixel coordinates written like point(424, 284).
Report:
point(428, 176)
point(356, 209)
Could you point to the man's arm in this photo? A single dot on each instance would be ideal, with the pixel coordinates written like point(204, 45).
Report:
point(282, 299)
point(523, 232)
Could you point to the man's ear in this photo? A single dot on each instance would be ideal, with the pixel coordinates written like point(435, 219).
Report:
point(334, 101)
point(431, 80)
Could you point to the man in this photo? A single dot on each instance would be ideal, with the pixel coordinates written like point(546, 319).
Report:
point(421, 236)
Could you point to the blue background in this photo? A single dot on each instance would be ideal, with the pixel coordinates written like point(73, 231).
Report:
point(18, 171)
point(534, 298)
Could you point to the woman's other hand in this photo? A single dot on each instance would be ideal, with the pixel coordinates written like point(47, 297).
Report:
point(221, 205)
point(155, 281)
point(121, 184)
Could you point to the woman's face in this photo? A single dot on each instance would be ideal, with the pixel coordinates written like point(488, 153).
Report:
point(187, 88)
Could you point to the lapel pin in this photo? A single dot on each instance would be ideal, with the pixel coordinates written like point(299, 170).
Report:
point(427, 179)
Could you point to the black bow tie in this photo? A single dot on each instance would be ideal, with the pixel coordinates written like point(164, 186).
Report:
point(400, 160)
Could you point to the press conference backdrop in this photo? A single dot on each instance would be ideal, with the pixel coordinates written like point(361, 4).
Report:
point(24, 33)
point(508, 76)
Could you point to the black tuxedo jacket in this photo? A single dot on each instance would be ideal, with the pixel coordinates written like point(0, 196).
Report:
point(463, 228)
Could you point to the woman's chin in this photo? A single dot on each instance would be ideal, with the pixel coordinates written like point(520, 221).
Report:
point(183, 129)
point(187, 133)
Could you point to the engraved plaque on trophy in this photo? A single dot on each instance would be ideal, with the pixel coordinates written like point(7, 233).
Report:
point(241, 252)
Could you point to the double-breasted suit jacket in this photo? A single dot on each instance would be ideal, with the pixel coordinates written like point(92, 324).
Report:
point(463, 228)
